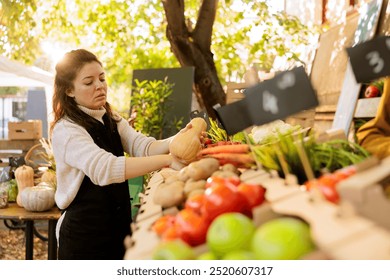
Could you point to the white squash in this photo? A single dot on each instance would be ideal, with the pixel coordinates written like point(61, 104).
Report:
point(38, 198)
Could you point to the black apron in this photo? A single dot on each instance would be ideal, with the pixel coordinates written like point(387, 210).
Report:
point(98, 219)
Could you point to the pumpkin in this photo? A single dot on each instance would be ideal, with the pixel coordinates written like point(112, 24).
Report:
point(49, 177)
point(24, 176)
point(186, 145)
point(38, 198)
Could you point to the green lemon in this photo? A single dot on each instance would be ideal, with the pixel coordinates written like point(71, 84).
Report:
point(282, 239)
point(229, 232)
point(173, 250)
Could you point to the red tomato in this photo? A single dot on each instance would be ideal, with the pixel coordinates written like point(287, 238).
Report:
point(345, 172)
point(193, 227)
point(310, 184)
point(330, 192)
point(328, 180)
point(207, 141)
point(162, 224)
point(215, 180)
point(254, 194)
point(195, 203)
point(174, 232)
point(371, 91)
point(221, 199)
point(234, 180)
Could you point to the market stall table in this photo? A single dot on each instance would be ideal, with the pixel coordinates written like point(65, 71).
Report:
point(14, 212)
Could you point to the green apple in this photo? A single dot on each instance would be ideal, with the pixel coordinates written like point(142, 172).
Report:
point(229, 232)
point(282, 239)
point(173, 250)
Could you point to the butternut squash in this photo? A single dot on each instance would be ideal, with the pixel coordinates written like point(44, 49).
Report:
point(186, 145)
point(49, 177)
point(24, 176)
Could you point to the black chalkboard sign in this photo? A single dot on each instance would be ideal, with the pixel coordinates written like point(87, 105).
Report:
point(371, 60)
point(287, 93)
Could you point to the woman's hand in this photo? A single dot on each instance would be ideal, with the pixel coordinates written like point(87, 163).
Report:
point(176, 164)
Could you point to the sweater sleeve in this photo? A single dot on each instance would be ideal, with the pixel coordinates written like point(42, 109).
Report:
point(374, 135)
point(134, 143)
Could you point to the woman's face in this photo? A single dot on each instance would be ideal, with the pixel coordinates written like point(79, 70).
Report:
point(90, 86)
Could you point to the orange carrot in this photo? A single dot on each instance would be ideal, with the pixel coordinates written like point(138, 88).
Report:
point(237, 159)
point(237, 148)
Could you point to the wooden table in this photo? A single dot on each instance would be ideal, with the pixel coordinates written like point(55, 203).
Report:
point(14, 212)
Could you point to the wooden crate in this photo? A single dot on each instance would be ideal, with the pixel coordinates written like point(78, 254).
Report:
point(14, 148)
point(31, 129)
point(367, 107)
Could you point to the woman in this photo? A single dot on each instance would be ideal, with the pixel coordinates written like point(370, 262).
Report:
point(89, 141)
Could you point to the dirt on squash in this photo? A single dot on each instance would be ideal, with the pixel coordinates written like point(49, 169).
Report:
point(13, 244)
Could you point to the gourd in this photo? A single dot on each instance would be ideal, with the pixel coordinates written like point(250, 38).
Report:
point(49, 177)
point(186, 145)
point(38, 198)
point(24, 176)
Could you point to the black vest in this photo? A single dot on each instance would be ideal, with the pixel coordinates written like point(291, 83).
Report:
point(98, 219)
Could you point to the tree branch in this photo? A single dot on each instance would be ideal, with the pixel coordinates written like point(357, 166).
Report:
point(204, 25)
point(174, 12)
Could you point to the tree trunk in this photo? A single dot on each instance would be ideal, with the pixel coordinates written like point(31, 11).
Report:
point(192, 47)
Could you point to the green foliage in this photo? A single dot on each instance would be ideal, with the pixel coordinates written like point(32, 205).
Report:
point(254, 35)
point(128, 35)
point(330, 156)
point(218, 134)
point(17, 24)
point(150, 101)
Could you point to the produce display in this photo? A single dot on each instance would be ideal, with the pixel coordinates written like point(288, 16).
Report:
point(251, 196)
point(35, 180)
point(215, 196)
point(233, 236)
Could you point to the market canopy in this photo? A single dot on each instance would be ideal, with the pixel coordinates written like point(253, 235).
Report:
point(16, 74)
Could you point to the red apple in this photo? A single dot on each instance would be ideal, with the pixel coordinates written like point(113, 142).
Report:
point(371, 91)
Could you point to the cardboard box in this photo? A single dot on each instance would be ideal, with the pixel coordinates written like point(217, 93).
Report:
point(31, 129)
point(234, 92)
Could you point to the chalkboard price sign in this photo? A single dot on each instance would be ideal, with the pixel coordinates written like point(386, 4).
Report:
point(371, 60)
point(287, 93)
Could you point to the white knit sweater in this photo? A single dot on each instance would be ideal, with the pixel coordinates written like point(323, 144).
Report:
point(76, 155)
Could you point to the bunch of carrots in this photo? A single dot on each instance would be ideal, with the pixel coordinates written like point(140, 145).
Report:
point(226, 149)
point(234, 153)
